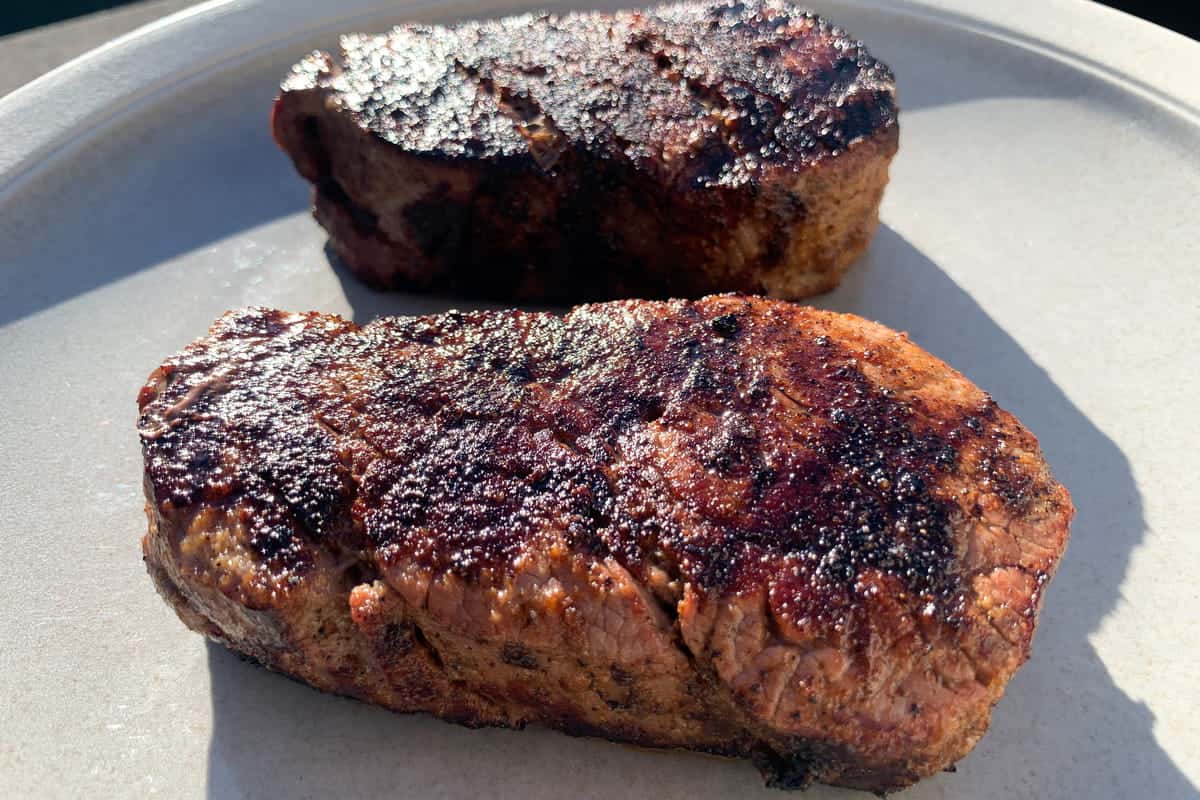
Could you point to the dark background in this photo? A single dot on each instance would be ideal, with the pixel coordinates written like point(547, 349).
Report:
point(28, 14)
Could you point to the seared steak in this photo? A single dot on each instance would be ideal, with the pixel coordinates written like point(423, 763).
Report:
point(733, 525)
point(677, 151)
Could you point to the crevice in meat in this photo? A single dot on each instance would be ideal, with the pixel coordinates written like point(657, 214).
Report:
point(423, 642)
point(359, 570)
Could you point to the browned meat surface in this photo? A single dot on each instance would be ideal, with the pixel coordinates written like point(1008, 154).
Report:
point(736, 525)
point(677, 151)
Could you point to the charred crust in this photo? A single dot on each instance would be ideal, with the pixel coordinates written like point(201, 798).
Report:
point(492, 428)
point(589, 156)
point(726, 325)
point(793, 771)
point(620, 676)
point(325, 496)
point(763, 84)
point(517, 655)
point(818, 469)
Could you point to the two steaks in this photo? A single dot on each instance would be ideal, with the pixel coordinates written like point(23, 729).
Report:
point(672, 152)
point(734, 525)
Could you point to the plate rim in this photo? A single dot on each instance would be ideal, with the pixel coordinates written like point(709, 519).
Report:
point(95, 90)
point(128, 113)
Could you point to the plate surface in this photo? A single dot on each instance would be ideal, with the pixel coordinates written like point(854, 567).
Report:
point(1041, 233)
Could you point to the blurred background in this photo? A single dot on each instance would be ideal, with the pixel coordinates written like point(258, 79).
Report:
point(1180, 15)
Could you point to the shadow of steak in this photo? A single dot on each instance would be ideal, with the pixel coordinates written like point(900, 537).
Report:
point(677, 151)
point(733, 525)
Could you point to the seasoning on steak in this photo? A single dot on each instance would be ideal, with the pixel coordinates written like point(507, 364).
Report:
point(734, 525)
point(672, 152)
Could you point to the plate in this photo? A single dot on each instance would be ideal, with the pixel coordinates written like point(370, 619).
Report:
point(1040, 233)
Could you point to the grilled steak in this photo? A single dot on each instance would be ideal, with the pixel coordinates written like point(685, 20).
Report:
point(733, 525)
point(672, 152)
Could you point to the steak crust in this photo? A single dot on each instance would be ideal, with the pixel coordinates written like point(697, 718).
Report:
point(672, 152)
point(733, 525)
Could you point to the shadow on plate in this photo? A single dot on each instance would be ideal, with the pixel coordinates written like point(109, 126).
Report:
point(1064, 730)
point(1063, 724)
point(367, 304)
point(143, 194)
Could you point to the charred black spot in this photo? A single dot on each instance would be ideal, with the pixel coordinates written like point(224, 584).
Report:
point(764, 477)
point(398, 639)
point(520, 372)
point(726, 325)
point(273, 536)
point(462, 441)
point(736, 445)
point(436, 221)
point(909, 484)
point(946, 458)
point(701, 380)
point(620, 676)
point(363, 219)
point(518, 655)
point(652, 409)
point(790, 771)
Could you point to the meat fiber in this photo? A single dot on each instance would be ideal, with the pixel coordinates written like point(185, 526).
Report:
point(734, 525)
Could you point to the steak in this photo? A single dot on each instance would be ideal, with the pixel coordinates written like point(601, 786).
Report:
point(673, 152)
point(734, 525)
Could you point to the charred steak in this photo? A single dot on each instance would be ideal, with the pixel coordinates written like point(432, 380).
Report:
point(677, 151)
point(733, 525)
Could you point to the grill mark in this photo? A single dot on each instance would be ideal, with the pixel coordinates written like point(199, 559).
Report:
point(481, 455)
point(717, 159)
point(651, 382)
point(751, 139)
point(840, 80)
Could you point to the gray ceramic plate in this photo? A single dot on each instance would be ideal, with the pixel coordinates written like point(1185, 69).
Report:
point(1041, 233)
